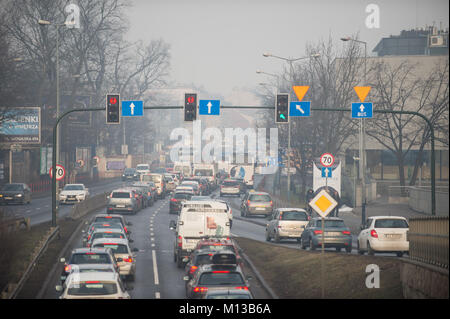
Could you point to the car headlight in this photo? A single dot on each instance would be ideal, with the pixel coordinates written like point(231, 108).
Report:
point(19, 195)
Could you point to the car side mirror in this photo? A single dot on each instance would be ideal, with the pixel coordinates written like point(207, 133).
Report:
point(62, 260)
point(59, 288)
point(130, 241)
point(186, 278)
point(172, 225)
point(185, 259)
point(249, 278)
point(134, 249)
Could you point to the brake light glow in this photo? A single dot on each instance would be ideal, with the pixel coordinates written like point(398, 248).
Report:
point(92, 282)
point(173, 200)
point(180, 241)
point(242, 288)
point(200, 289)
point(128, 260)
point(373, 233)
point(317, 232)
point(346, 232)
point(193, 269)
point(108, 216)
point(67, 268)
point(221, 272)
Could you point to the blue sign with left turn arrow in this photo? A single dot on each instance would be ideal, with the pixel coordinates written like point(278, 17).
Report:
point(300, 108)
point(132, 108)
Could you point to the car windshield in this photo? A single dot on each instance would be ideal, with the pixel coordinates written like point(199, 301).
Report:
point(221, 278)
point(142, 167)
point(231, 184)
point(331, 224)
point(259, 198)
point(203, 172)
point(117, 248)
point(294, 215)
point(106, 219)
point(90, 258)
point(108, 225)
point(182, 196)
point(152, 178)
point(218, 247)
point(92, 288)
point(121, 195)
point(233, 296)
point(202, 259)
point(107, 235)
point(205, 198)
point(73, 188)
point(129, 170)
point(12, 187)
point(80, 270)
point(391, 223)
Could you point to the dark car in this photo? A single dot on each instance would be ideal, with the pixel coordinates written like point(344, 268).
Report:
point(130, 174)
point(17, 193)
point(198, 257)
point(149, 198)
point(177, 200)
point(336, 234)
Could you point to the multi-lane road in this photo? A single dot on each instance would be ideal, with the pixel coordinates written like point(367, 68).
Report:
point(157, 275)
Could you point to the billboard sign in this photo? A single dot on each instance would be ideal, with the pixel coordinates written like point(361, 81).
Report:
point(21, 125)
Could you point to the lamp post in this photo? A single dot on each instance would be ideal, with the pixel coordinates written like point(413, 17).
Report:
point(290, 61)
point(43, 23)
point(362, 140)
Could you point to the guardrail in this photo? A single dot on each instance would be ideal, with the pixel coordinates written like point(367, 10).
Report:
point(429, 240)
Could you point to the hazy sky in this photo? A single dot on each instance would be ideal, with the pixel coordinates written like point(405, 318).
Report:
point(219, 44)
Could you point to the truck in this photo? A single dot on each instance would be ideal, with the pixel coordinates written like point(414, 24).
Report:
point(183, 168)
point(208, 171)
point(245, 172)
point(198, 220)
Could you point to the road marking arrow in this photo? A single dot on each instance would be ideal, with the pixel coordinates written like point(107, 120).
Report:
point(299, 107)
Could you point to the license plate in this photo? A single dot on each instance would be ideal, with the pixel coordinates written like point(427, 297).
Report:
point(393, 236)
point(8, 198)
point(120, 206)
point(333, 233)
point(260, 208)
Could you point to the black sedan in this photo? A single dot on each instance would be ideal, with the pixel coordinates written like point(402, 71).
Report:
point(18, 193)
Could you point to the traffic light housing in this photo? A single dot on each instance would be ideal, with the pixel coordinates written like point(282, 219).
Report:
point(282, 108)
point(190, 107)
point(112, 109)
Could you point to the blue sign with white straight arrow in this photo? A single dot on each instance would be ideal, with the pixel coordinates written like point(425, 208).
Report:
point(132, 108)
point(209, 107)
point(327, 172)
point(362, 110)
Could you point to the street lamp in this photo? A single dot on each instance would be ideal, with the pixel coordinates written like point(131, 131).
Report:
point(362, 140)
point(290, 61)
point(44, 23)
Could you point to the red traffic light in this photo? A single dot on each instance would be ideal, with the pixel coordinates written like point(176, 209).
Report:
point(113, 100)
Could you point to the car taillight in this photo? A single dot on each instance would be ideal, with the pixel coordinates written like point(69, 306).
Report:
point(271, 204)
point(148, 193)
point(128, 260)
point(67, 268)
point(193, 269)
point(346, 232)
point(136, 196)
point(125, 229)
point(317, 232)
point(200, 289)
point(241, 288)
point(373, 233)
point(89, 237)
point(248, 202)
point(221, 272)
point(173, 200)
point(180, 241)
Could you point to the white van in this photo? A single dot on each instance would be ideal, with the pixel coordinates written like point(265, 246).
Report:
point(143, 169)
point(197, 220)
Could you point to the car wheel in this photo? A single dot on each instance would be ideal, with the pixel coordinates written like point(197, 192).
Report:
point(311, 245)
point(267, 236)
point(348, 249)
point(338, 249)
point(369, 250)
point(400, 254)
point(302, 244)
point(276, 238)
point(361, 252)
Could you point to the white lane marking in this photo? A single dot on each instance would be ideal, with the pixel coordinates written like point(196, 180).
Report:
point(152, 234)
point(155, 267)
point(157, 295)
point(152, 239)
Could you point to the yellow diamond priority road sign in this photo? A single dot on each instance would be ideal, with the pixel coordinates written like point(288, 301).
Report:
point(323, 203)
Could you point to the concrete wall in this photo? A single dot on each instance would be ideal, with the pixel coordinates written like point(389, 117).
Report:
point(422, 281)
point(420, 201)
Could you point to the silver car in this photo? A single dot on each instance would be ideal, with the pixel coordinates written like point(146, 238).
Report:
point(123, 200)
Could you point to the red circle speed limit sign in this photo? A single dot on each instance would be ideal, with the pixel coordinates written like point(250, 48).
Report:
point(327, 160)
point(60, 172)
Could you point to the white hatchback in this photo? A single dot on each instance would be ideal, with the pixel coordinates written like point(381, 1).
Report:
point(93, 285)
point(383, 234)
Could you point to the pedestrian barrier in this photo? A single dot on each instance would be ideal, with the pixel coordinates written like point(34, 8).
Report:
point(428, 240)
